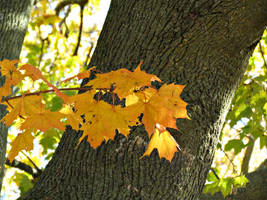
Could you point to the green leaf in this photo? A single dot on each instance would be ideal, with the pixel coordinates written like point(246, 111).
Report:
point(49, 139)
point(56, 104)
point(226, 186)
point(211, 176)
point(235, 144)
point(23, 182)
point(240, 181)
point(263, 141)
point(211, 188)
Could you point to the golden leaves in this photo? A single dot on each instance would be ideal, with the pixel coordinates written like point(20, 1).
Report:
point(24, 141)
point(98, 119)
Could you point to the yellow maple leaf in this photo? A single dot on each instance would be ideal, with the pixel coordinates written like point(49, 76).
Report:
point(73, 119)
point(6, 89)
point(82, 102)
point(102, 119)
point(154, 110)
point(43, 120)
point(14, 111)
point(164, 143)
point(22, 107)
point(172, 93)
point(24, 141)
point(12, 76)
point(9, 70)
point(124, 81)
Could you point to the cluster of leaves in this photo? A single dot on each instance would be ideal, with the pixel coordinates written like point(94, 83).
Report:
point(89, 113)
point(225, 185)
point(245, 124)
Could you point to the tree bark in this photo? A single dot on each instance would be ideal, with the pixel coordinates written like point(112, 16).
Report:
point(203, 44)
point(14, 17)
point(255, 189)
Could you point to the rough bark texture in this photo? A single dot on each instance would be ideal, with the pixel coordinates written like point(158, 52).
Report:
point(14, 17)
point(204, 44)
point(256, 189)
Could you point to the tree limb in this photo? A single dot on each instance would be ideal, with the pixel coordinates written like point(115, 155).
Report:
point(247, 156)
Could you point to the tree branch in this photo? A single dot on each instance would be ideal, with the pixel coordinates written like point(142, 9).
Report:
point(35, 166)
point(24, 167)
point(247, 156)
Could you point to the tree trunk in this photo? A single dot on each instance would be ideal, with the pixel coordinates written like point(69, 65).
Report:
point(14, 17)
point(202, 44)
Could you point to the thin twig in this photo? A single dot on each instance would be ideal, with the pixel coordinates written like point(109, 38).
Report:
point(215, 174)
point(42, 51)
point(6, 99)
point(35, 166)
point(88, 54)
point(75, 53)
point(231, 161)
point(42, 92)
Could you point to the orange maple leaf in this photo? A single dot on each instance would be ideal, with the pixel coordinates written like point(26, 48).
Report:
point(164, 143)
point(161, 106)
point(154, 111)
point(24, 141)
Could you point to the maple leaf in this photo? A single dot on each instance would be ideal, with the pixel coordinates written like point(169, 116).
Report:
point(102, 119)
point(43, 120)
point(6, 89)
point(24, 141)
point(23, 108)
point(164, 143)
point(36, 74)
point(9, 70)
point(82, 102)
point(152, 105)
point(14, 112)
point(73, 119)
point(173, 101)
point(12, 76)
point(124, 81)
point(161, 106)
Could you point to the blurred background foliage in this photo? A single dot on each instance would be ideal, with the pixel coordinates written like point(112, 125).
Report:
point(60, 40)
point(243, 140)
